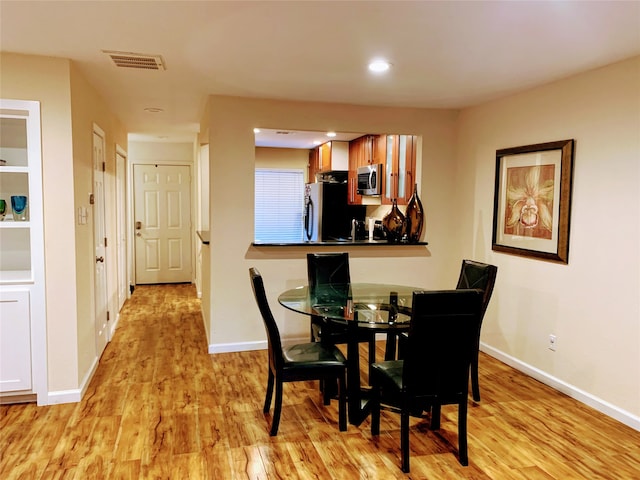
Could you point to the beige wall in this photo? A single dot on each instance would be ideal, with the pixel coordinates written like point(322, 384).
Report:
point(283, 158)
point(87, 110)
point(69, 107)
point(235, 322)
point(47, 80)
point(591, 304)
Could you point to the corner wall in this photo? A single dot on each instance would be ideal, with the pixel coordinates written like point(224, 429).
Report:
point(233, 317)
point(592, 304)
point(87, 109)
point(47, 80)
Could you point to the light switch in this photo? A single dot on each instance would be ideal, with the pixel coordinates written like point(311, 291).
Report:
point(82, 215)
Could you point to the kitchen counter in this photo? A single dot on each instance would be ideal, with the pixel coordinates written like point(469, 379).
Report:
point(204, 236)
point(339, 243)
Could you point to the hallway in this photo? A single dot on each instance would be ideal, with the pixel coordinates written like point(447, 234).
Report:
point(159, 406)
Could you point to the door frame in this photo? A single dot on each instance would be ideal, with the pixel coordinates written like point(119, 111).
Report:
point(131, 203)
point(96, 130)
point(122, 221)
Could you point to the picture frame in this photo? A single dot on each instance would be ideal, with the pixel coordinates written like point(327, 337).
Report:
point(532, 200)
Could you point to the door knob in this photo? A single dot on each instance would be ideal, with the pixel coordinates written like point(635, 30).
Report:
point(100, 259)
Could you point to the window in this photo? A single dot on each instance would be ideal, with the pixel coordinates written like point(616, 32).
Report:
point(279, 203)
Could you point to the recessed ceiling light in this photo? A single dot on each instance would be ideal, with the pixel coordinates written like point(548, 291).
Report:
point(256, 130)
point(317, 142)
point(379, 66)
point(153, 110)
point(331, 134)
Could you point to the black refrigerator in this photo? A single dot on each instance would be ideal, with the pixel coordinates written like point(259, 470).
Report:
point(327, 215)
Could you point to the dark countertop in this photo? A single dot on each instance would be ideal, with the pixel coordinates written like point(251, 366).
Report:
point(204, 235)
point(357, 243)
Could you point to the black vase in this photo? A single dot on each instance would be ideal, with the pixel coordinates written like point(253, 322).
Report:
point(415, 217)
point(394, 224)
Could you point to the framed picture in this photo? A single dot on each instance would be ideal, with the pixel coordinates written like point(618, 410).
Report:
point(532, 200)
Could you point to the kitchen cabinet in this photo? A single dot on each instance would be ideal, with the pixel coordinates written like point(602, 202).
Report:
point(363, 151)
point(328, 157)
point(22, 299)
point(399, 168)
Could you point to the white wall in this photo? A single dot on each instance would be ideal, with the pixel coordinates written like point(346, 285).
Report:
point(591, 304)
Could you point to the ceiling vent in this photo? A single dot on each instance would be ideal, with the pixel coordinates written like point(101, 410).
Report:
point(136, 60)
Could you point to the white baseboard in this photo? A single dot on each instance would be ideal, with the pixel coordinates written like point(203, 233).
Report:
point(247, 346)
point(75, 395)
point(602, 406)
point(237, 347)
point(112, 332)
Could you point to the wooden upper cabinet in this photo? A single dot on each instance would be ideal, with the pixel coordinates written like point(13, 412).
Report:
point(356, 157)
point(399, 168)
point(328, 157)
point(313, 164)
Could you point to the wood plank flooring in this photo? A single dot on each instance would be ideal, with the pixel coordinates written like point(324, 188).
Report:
point(160, 407)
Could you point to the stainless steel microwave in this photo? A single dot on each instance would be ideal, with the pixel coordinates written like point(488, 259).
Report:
point(370, 179)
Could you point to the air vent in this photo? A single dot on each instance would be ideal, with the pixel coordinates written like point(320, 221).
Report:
point(136, 60)
point(283, 132)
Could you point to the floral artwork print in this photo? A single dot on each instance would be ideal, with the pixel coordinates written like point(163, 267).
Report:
point(529, 205)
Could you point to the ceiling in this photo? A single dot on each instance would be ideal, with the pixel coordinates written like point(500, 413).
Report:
point(449, 54)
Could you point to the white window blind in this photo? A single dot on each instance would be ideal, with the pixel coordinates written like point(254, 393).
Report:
point(279, 203)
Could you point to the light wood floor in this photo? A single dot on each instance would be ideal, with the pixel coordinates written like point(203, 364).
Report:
point(160, 407)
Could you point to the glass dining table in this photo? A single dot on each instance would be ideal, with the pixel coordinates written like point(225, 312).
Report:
point(374, 307)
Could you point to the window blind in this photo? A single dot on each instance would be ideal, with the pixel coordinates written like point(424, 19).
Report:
point(279, 203)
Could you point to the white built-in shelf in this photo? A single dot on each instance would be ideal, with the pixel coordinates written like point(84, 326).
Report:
point(11, 277)
point(9, 223)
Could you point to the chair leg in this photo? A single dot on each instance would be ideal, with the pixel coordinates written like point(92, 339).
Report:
point(267, 399)
point(404, 439)
point(375, 410)
point(435, 416)
point(390, 347)
point(475, 386)
point(402, 346)
point(277, 409)
point(462, 433)
point(372, 351)
point(325, 388)
point(342, 401)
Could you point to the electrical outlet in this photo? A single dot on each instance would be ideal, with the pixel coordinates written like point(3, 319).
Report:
point(553, 342)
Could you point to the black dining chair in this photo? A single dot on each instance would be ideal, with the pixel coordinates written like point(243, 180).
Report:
point(302, 362)
point(329, 277)
point(472, 275)
point(435, 369)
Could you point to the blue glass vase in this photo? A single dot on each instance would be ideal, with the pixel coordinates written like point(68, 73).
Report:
point(19, 207)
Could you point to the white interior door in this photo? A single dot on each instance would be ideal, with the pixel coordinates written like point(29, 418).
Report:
point(162, 223)
point(100, 280)
point(121, 226)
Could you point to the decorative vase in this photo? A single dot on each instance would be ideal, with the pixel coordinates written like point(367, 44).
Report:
point(415, 217)
point(394, 224)
point(19, 207)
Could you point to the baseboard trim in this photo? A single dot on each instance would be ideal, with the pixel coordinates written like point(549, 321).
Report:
point(236, 347)
point(247, 346)
point(112, 332)
point(76, 394)
point(599, 404)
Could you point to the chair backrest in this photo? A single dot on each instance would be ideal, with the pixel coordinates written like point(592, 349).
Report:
point(444, 326)
point(328, 275)
point(478, 275)
point(273, 334)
